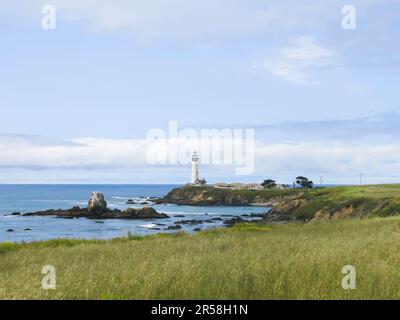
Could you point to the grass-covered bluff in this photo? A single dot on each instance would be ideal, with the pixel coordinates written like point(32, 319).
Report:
point(246, 261)
point(321, 203)
point(291, 261)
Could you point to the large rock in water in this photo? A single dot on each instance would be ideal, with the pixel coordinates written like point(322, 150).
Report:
point(97, 209)
point(144, 213)
point(76, 212)
point(96, 203)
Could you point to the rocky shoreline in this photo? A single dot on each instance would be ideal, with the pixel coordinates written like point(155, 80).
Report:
point(285, 206)
point(97, 209)
point(281, 202)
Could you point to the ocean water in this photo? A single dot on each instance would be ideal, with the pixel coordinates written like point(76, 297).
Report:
point(28, 198)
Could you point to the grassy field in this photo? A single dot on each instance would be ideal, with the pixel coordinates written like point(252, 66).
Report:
point(293, 261)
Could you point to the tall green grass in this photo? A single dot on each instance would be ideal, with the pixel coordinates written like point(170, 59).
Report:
point(244, 262)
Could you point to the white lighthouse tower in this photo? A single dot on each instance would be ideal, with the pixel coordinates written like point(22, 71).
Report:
point(195, 168)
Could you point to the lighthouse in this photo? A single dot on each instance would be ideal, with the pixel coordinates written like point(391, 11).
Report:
point(195, 168)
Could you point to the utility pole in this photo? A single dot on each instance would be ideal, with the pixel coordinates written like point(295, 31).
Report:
point(361, 176)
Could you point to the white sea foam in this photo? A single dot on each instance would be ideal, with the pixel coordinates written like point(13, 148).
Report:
point(148, 226)
point(120, 198)
point(192, 213)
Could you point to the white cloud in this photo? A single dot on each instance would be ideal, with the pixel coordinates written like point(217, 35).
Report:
point(297, 61)
point(305, 49)
point(78, 153)
point(336, 159)
point(113, 155)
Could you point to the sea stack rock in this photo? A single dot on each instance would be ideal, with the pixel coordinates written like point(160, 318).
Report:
point(96, 204)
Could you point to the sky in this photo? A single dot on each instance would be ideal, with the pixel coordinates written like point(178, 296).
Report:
point(78, 101)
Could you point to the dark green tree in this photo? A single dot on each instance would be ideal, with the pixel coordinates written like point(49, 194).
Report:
point(269, 184)
point(303, 182)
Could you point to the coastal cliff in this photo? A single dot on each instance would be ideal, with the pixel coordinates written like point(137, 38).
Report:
point(211, 196)
point(299, 204)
